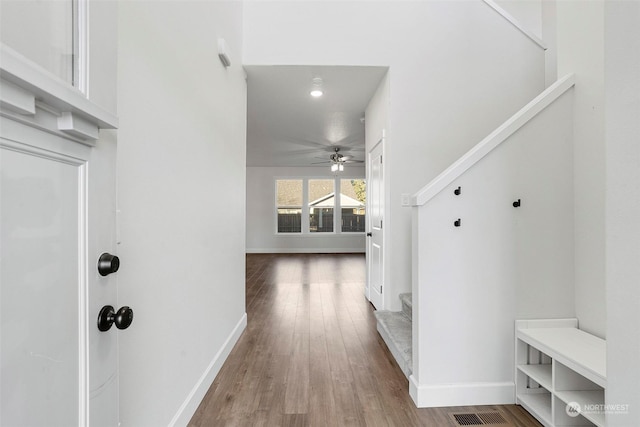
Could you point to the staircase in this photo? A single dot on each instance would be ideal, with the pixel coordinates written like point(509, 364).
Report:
point(395, 329)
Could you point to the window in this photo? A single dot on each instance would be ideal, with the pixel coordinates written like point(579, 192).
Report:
point(353, 197)
point(309, 205)
point(42, 31)
point(322, 201)
point(289, 205)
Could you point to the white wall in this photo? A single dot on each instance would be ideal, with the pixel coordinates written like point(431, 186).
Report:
point(580, 46)
point(622, 102)
point(457, 70)
point(527, 12)
point(181, 192)
point(376, 123)
point(261, 214)
point(549, 36)
point(573, 32)
point(501, 264)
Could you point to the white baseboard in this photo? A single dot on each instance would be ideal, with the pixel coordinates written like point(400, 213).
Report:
point(191, 403)
point(471, 394)
point(305, 250)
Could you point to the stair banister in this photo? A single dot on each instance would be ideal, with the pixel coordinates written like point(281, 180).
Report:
point(493, 140)
point(506, 15)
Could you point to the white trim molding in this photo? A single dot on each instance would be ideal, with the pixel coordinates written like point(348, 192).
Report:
point(506, 15)
point(49, 92)
point(191, 403)
point(16, 99)
point(81, 48)
point(466, 394)
point(305, 250)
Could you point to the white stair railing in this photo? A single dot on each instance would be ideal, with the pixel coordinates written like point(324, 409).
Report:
point(506, 15)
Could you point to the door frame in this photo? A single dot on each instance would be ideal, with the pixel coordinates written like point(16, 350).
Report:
point(380, 144)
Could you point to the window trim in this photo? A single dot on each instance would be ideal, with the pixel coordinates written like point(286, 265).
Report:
point(277, 206)
point(304, 227)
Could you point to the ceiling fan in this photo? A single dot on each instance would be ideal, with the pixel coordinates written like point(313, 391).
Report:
point(338, 160)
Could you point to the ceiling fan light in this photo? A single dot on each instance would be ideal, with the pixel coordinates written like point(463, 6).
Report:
point(334, 167)
point(316, 87)
point(340, 167)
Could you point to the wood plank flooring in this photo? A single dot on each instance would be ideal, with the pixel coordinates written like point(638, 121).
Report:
point(311, 355)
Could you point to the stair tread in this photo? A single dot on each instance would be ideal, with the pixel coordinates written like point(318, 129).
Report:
point(407, 299)
point(395, 329)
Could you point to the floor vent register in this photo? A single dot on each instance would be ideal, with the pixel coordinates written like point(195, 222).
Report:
point(480, 419)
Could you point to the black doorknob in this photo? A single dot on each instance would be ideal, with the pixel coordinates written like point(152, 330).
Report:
point(108, 316)
point(369, 234)
point(108, 264)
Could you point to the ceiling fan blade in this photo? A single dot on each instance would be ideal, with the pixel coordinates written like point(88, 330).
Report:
point(354, 161)
point(321, 163)
point(350, 141)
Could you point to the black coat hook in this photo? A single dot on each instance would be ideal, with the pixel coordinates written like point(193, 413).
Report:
point(516, 204)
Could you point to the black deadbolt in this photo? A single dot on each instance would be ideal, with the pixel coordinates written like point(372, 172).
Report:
point(108, 316)
point(108, 264)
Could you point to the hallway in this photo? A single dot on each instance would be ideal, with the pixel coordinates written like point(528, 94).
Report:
point(311, 354)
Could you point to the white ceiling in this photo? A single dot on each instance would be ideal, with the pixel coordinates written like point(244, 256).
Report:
point(288, 127)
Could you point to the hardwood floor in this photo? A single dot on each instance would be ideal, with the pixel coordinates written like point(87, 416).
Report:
point(311, 355)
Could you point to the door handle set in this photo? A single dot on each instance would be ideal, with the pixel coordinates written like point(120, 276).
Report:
point(108, 316)
point(108, 264)
point(122, 318)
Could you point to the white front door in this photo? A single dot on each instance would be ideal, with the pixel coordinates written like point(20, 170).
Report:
point(375, 241)
point(57, 215)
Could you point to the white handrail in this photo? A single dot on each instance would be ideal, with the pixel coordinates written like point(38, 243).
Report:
point(493, 140)
point(515, 23)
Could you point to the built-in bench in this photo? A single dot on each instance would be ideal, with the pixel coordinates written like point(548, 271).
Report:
point(560, 372)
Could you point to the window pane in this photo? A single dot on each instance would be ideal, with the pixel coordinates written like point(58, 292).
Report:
point(321, 204)
point(289, 192)
point(289, 220)
point(42, 31)
point(289, 205)
point(353, 197)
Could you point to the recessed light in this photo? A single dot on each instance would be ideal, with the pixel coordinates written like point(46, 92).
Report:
point(316, 93)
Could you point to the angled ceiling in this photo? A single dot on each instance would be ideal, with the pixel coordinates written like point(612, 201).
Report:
point(288, 127)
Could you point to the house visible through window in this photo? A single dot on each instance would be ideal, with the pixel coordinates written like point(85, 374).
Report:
point(321, 205)
point(308, 205)
point(353, 197)
point(289, 205)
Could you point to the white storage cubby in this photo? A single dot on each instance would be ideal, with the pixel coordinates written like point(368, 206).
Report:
point(558, 364)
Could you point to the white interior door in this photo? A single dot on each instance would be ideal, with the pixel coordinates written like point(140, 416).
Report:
point(57, 215)
point(375, 236)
